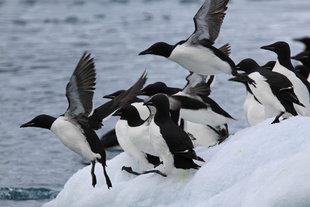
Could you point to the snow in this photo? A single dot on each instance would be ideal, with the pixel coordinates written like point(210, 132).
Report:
point(264, 165)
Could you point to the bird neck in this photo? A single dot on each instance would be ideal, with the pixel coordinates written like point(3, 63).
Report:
point(135, 121)
point(285, 60)
point(161, 114)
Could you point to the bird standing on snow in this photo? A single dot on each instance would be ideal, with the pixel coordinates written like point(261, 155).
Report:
point(197, 53)
point(273, 90)
point(172, 144)
point(133, 136)
point(72, 128)
point(284, 66)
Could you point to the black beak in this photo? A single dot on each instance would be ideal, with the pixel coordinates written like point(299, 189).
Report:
point(28, 124)
point(294, 58)
point(108, 96)
point(146, 52)
point(237, 79)
point(268, 47)
point(148, 103)
point(117, 113)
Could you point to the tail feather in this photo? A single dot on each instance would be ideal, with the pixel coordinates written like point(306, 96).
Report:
point(184, 162)
point(190, 154)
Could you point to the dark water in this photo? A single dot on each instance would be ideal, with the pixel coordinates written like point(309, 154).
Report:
point(42, 40)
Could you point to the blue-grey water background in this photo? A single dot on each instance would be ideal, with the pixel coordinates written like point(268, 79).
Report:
point(42, 40)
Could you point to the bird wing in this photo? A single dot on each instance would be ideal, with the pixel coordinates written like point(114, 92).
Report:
point(80, 89)
point(105, 110)
point(132, 92)
point(226, 49)
point(208, 20)
point(197, 85)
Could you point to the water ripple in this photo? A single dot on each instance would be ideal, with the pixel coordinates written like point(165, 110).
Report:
point(19, 194)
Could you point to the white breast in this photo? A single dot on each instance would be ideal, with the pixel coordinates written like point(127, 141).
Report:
point(140, 137)
point(199, 59)
point(72, 137)
point(263, 93)
point(254, 111)
point(161, 147)
point(300, 89)
point(123, 137)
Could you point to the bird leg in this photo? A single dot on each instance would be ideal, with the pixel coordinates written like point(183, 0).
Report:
point(276, 120)
point(129, 170)
point(92, 172)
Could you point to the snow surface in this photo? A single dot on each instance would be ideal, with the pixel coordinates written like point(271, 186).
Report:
point(264, 165)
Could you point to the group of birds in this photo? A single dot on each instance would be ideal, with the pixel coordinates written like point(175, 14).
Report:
point(164, 128)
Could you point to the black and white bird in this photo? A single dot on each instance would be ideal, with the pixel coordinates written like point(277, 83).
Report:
point(172, 144)
point(254, 110)
point(284, 66)
point(72, 128)
point(305, 41)
point(273, 90)
point(132, 131)
point(197, 53)
point(193, 105)
point(304, 69)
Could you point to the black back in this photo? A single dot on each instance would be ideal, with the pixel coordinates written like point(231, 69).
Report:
point(282, 88)
point(178, 141)
point(218, 53)
point(131, 115)
point(194, 104)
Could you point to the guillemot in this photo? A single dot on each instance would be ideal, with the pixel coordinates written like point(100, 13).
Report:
point(133, 136)
point(254, 110)
point(284, 66)
point(72, 128)
point(192, 104)
point(197, 53)
point(273, 90)
point(172, 144)
point(75, 128)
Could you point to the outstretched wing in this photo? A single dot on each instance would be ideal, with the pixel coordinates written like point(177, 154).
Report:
point(105, 110)
point(208, 21)
point(125, 97)
point(80, 89)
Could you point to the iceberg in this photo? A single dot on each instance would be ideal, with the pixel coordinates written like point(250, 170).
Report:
point(264, 165)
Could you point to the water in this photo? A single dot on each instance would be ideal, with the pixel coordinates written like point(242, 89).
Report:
point(42, 40)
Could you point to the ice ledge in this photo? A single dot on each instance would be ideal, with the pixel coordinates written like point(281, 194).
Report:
point(265, 165)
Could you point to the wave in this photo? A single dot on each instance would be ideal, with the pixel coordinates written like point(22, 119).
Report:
point(19, 194)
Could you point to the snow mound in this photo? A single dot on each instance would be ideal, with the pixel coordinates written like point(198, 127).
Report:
point(264, 165)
